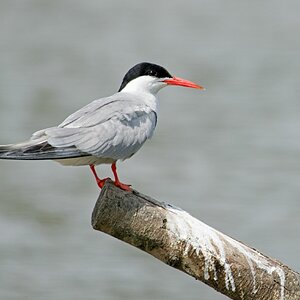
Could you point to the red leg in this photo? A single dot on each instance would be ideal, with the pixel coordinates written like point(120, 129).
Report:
point(123, 186)
point(99, 181)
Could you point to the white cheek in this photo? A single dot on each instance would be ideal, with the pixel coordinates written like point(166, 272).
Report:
point(144, 84)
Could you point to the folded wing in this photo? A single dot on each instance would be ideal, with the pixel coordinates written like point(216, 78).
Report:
point(114, 127)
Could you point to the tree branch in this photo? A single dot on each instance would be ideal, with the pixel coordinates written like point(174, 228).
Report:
point(185, 243)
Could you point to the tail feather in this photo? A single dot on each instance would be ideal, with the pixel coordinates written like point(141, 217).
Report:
point(38, 150)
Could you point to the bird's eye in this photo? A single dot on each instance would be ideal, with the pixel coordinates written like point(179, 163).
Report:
point(152, 73)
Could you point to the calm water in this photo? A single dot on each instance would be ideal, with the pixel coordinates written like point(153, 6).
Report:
point(229, 156)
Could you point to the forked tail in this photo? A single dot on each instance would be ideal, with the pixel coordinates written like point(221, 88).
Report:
point(38, 150)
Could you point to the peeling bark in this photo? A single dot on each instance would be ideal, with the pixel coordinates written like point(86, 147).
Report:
point(187, 244)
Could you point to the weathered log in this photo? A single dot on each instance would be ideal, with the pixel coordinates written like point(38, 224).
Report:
point(185, 243)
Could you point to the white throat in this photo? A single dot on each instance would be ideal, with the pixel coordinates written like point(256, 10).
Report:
point(145, 88)
point(144, 84)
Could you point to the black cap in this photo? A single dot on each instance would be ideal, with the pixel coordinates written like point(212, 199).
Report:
point(143, 69)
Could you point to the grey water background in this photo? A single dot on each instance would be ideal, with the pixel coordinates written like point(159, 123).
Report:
point(229, 156)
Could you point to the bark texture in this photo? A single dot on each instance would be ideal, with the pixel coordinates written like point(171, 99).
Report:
point(187, 244)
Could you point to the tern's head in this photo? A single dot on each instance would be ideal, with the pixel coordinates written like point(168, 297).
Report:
point(150, 77)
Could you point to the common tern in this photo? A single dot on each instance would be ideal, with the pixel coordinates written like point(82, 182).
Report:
point(106, 130)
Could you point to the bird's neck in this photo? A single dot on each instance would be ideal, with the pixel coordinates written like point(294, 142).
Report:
point(145, 89)
point(144, 85)
point(145, 98)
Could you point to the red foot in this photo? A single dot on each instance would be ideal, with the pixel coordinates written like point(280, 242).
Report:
point(101, 182)
point(123, 186)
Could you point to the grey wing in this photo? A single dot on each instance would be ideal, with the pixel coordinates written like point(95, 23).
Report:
point(89, 114)
point(113, 129)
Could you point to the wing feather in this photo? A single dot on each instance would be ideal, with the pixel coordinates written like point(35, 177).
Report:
point(111, 127)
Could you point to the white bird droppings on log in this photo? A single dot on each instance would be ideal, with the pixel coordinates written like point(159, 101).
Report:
point(187, 244)
point(200, 237)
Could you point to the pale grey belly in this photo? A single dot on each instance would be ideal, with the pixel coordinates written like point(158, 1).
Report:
point(85, 160)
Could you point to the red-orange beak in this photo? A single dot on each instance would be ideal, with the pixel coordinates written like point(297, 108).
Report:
point(183, 82)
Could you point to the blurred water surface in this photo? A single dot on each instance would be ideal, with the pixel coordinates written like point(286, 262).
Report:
point(229, 156)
